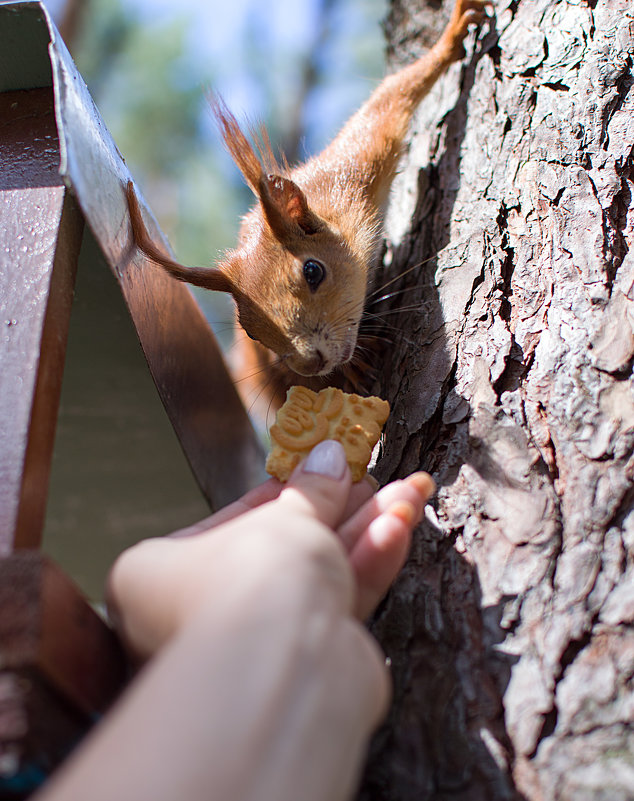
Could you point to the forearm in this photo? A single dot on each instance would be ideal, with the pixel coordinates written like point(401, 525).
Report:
point(247, 721)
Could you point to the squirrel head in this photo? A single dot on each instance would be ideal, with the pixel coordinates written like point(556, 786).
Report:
point(298, 279)
point(299, 293)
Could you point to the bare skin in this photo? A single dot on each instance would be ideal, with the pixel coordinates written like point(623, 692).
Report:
point(259, 676)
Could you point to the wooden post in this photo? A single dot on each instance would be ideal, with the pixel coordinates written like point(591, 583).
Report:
point(39, 244)
point(61, 668)
point(61, 665)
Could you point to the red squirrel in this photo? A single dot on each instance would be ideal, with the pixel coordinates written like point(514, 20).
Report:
point(306, 250)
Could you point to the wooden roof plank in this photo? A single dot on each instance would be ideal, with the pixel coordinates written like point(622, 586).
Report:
point(39, 243)
point(181, 350)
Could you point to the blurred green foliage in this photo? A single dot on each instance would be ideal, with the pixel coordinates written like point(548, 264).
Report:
point(149, 77)
point(119, 474)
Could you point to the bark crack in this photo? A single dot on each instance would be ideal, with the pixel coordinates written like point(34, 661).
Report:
point(623, 82)
point(616, 219)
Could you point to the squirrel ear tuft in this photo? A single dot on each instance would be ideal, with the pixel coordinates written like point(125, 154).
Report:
point(286, 208)
point(237, 144)
point(283, 202)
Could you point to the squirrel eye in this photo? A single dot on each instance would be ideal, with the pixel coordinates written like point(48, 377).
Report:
point(314, 273)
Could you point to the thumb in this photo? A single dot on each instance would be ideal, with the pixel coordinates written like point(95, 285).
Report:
point(320, 485)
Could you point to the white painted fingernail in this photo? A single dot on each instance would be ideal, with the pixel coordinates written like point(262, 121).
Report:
point(327, 459)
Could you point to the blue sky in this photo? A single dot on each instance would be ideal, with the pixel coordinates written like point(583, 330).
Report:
point(249, 52)
point(218, 34)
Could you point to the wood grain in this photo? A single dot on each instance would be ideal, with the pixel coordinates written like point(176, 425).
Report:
point(61, 668)
point(39, 243)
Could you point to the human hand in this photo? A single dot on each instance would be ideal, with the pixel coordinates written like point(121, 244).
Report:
point(264, 681)
point(157, 585)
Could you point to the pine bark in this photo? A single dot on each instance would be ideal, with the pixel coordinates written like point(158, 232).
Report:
point(509, 631)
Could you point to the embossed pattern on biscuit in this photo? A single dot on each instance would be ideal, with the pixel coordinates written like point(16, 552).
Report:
point(308, 417)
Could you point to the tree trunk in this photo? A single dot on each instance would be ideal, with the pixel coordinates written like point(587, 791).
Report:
point(510, 376)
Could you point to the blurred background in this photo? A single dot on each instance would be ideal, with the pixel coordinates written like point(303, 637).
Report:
point(299, 67)
point(302, 68)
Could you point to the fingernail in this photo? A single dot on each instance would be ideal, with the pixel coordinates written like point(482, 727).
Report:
point(405, 511)
point(327, 459)
point(423, 482)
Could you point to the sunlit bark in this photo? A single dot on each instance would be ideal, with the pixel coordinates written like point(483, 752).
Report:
point(510, 629)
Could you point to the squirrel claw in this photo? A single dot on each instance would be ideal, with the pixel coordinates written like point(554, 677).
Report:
point(465, 13)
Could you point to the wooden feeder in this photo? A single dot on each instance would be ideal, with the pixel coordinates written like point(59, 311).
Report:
point(63, 214)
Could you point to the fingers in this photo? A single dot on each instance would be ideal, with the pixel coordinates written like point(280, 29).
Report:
point(416, 490)
point(375, 529)
point(380, 555)
point(360, 493)
point(320, 486)
point(378, 537)
point(261, 494)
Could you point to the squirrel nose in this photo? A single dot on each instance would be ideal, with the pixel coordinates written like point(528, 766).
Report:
point(316, 363)
point(309, 363)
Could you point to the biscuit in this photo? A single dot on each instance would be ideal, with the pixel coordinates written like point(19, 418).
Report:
point(308, 417)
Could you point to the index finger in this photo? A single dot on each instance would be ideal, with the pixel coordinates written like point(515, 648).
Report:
point(360, 492)
point(268, 491)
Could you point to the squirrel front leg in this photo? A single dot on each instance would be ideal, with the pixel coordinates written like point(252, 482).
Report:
point(369, 146)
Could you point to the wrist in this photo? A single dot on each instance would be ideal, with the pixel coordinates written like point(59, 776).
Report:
point(296, 696)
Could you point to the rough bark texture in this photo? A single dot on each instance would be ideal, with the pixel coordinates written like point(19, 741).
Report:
point(510, 629)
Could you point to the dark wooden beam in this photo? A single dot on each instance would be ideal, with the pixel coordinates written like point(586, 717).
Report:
point(40, 237)
point(61, 668)
point(181, 350)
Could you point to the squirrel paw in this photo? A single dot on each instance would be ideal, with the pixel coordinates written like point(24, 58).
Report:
point(465, 13)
